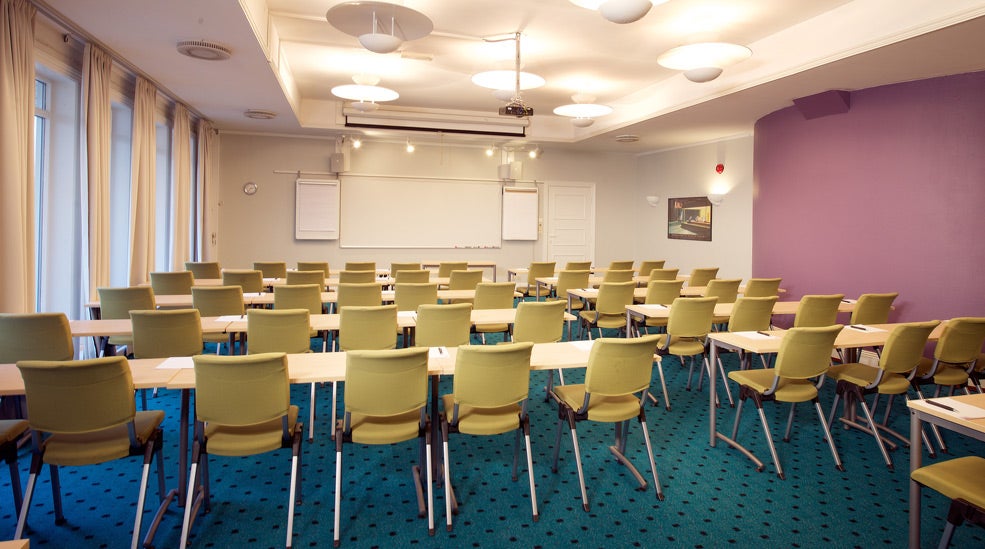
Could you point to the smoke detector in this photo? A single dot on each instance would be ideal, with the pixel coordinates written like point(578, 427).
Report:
point(204, 49)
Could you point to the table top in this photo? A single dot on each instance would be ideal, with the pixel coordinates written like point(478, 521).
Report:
point(725, 309)
point(868, 335)
point(123, 326)
point(977, 401)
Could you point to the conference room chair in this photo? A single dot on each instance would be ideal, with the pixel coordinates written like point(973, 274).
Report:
point(817, 310)
point(408, 296)
point(618, 275)
point(962, 480)
point(446, 267)
point(762, 287)
point(32, 336)
point(854, 381)
point(315, 266)
point(873, 308)
point(617, 381)
point(489, 397)
point(302, 296)
point(578, 266)
point(749, 314)
point(11, 431)
point(955, 355)
point(250, 280)
point(688, 325)
point(660, 292)
point(443, 325)
point(803, 359)
point(117, 303)
point(648, 265)
point(255, 418)
point(204, 269)
point(367, 328)
point(356, 277)
point(537, 269)
point(361, 266)
point(218, 301)
point(358, 294)
point(610, 308)
point(570, 280)
point(172, 283)
point(73, 427)
point(271, 269)
point(620, 266)
point(316, 276)
point(540, 322)
point(407, 266)
point(662, 274)
point(701, 276)
point(406, 275)
point(386, 403)
point(725, 289)
point(464, 280)
point(493, 295)
point(163, 334)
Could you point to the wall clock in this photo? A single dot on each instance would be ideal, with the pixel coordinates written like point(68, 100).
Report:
point(250, 188)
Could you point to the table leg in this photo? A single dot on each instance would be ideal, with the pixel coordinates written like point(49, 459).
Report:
point(183, 446)
point(916, 459)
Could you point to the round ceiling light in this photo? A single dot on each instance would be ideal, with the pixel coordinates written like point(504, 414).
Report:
point(204, 49)
point(619, 11)
point(701, 61)
point(359, 92)
point(381, 27)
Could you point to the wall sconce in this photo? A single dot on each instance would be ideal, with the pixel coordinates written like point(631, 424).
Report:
point(653, 200)
point(716, 198)
point(410, 146)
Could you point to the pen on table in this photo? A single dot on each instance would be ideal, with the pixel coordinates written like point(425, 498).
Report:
point(857, 327)
point(939, 405)
point(846, 300)
point(765, 334)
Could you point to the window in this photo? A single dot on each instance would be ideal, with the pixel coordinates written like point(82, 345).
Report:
point(119, 192)
point(162, 198)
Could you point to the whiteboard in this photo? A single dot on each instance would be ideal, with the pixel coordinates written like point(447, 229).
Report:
point(519, 213)
point(396, 212)
point(316, 209)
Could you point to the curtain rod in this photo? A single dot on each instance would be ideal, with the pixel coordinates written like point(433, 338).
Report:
point(386, 176)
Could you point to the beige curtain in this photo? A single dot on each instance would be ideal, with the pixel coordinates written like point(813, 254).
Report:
point(208, 185)
point(181, 189)
point(17, 219)
point(142, 174)
point(97, 124)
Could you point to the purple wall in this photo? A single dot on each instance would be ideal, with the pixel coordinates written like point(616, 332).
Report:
point(889, 196)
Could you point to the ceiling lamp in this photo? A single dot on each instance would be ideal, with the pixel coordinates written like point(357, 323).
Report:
point(619, 11)
point(704, 61)
point(583, 111)
point(365, 94)
point(381, 27)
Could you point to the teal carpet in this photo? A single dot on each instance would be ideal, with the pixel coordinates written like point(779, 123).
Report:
point(714, 496)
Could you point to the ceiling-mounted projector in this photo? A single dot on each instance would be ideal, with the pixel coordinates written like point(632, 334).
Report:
point(516, 109)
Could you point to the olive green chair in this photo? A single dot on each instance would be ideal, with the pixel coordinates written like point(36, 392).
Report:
point(167, 333)
point(386, 403)
point(33, 336)
point(610, 308)
point(356, 277)
point(617, 381)
point(493, 295)
point(73, 427)
point(315, 266)
point(361, 266)
point(417, 276)
point(408, 296)
point(255, 418)
point(817, 310)
point(117, 303)
point(725, 289)
point(750, 314)
point(578, 266)
point(316, 277)
point(358, 294)
point(365, 328)
point(618, 275)
point(540, 322)
point(464, 280)
point(11, 431)
point(962, 480)
point(537, 269)
point(204, 269)
point(762, 287)
point(660, 292)
point(443, 325)
point(688, 325)
point(570, 280)
point(406, 266)
point(873, 308)
point(621, 265)
point(302, 296)
point(250, 280)
point(271, 269)
point(172, 283)
point(803, 359)
point(648, 265)
point(446, 267)
point(662, 274)
point(489, 397)
point(701, 276)
point(219, 301)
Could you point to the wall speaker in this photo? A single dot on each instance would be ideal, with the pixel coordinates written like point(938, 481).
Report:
point(824, 104)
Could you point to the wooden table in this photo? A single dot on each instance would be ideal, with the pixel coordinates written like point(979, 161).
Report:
point(470, 264)
point(642, 312)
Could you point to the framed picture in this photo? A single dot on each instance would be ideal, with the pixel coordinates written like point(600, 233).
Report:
point(689, 218)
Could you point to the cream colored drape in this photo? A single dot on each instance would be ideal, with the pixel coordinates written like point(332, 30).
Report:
point(208, 184)
point(17, 219)
point(142, 175)
point(181, 189)
point(98, 131)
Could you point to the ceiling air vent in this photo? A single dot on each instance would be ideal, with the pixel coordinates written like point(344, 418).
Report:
point(627, 138)
point(259, 114)
point(204, 49)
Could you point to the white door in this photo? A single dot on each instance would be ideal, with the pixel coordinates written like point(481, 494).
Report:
point(570, 222)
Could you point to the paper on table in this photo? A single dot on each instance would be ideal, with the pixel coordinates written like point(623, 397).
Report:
point(583, 344)
point(653, 306)
point(438, 352)
point(232, 318)
point(961, 409)
point(754, 335)
point(252, 294)
point(177, 363)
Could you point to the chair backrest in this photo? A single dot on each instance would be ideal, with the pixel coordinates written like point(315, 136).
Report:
point(271, 269)
point(218, 300)
point(494, 295)
point(56, 402)
point(539, 269)
point(806, 352)
point(464, 280)
point(620, 366)
point(570, 280)
point(491, 376)
point(873, 308)
point(663, 292)
point(299, 296)
point(250, 280)
point(725, 289)
point(691, 316)
point(408, 296)
point(961, 341)
point(617, 275)
point(406, 275)
point(648, 265)
point(368, 328)
point(409, 266)
point(446, 267)
point(614, 296)
point(578, 266)
point(621, 265)
point(316, 276)
point(172, 283)
point(386, 383)
point(751, 314)
point(539, 321)
point(204, 269)
point(762, 287)
point(443, 325)
point(241, 390)
point(817, 310)
point(315, 266)
point(160, 334)
point(359, 294)
point(35, 336)
point(361, 266)
point(904, 347)
point(118, 302)
point(701, 276)
point(278, 331)
point(662, 274)
point(356, 277)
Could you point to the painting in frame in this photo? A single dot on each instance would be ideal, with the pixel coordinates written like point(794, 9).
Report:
point(689, 218)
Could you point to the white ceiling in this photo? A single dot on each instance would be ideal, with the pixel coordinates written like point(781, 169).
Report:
point(287, 57)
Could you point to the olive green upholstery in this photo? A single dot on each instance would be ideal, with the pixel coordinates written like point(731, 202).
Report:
point(539, 322)
point(446, 267)
point(316, 277)
point(873, 308)
point(962, 480)
point(315, 266)
point(356, 277)
point(117, 303)
point(570, 280)
point(725, 289)
point(250, 280)
point(661, 292)
point(302, 296)
point(278, 331)
point(762, 287)
point(443, 325)
point(204, 269)
point(32, 336)
point(688, 325)
point(410, 295)
point(493, 295)
point(620, 265)
point(537, 269)
point(218, 301)
point(648, 265)
point(407, 266)
point(817, 310)
point(162, 334)
point(361, 266)
point(618, 275)
point(271, 269)
point(368, 328)
point(702, 275)
point(578, 266)
point(358, 294)
point(610, 307)
point(749, 314)
point(406, 275)
point(172, 283)
point(662, 274)
point(464, 280)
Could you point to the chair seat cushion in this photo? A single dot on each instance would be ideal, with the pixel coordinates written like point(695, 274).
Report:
point(100, 446)
point(385, 430)
point(788, 390)
point(226, 440)
point(483, 421)
point(959, 478)
point(946, 375)
point(863, 375)
point(491, 328)
point(680, 346)
point(604, 320)
point(608, 409)
point(11, 429)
